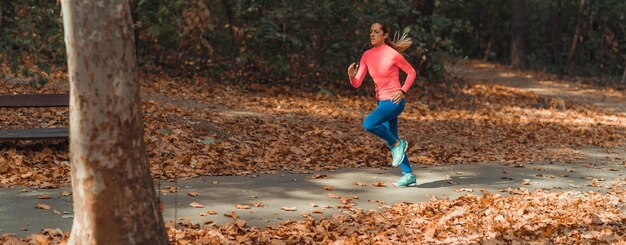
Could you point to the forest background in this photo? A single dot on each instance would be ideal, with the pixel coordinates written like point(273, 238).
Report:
point(310, 43)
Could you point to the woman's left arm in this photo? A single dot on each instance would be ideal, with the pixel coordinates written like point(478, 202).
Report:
point(408, 69)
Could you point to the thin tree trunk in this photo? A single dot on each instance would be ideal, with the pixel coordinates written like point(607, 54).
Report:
point(231, 24)
point(556, 37)
point(624, 75)
point(518, 25)
point(114, 198)
point(488, 49)
point(572, 50)
point(490, 42)
point(2, 15)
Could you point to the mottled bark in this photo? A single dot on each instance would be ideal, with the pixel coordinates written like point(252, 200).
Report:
point(114, 198)
point(518, 28)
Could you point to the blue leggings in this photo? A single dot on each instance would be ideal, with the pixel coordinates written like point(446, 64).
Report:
point(383, 122)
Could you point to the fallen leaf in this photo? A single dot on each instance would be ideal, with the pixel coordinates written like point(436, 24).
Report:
point(42, 206)
point(329, 188)
point(288, 208)
point(44, 196)
point(360, 183)
point(212, 212)
point(196, 205)
point(379, 184)
point(240, 223)
point(345, 200)
point(232, 214)
point(193, 194)
point(319, 176)
point(238, 206)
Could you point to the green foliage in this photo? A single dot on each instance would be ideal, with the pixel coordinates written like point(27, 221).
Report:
point(31, 40)
point(314, 41)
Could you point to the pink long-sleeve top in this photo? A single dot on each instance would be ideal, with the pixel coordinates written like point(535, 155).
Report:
point(383, 63)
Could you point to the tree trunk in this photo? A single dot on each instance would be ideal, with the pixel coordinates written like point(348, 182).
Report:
point(2, 14)
point(518, 26)
point(572, 50)
point(556, 42)
point(624, 75)
point(114, 198)
point(231, 23)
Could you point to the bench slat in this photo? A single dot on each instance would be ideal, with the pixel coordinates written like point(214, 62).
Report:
point(35, 100)
point(34, 134)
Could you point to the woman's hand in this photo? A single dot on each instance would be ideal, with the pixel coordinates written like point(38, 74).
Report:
point(397, 97)
point(352, 71)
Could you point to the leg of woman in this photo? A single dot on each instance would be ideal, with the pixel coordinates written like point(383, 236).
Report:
point(393, 128)
point(385, 111)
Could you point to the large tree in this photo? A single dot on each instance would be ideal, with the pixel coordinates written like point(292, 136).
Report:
point(114, 197)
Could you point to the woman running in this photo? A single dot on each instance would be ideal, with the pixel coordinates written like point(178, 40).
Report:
point(383, 62)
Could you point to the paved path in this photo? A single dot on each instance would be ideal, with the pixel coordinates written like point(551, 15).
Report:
point(274, 191)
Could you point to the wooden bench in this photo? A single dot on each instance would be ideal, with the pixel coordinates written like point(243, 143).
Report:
point(34, 100)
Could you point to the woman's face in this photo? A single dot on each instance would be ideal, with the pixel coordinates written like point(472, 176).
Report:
point(377, 37)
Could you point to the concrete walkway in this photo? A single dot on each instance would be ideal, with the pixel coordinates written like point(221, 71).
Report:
point(18, 214)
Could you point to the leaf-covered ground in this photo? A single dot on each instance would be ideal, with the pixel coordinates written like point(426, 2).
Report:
point(201, 127)
point(522, 218)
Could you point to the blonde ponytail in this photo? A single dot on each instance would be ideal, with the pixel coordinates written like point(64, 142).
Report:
point(400, 42)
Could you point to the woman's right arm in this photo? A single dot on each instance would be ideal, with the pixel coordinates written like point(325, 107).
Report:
point(357, 79)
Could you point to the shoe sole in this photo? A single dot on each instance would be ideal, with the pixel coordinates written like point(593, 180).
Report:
point(406, 146)
point(410, 185)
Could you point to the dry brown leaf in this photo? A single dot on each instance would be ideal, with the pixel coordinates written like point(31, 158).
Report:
point(288, 208)
point(232, 214)
point(319, 176)
point(360, 183)
point(42, 206)
point(196, 205)
point(193, 194)
point(238, 206)
point(329, 188)
point(240, 223)
point(379, 184)
point(44, 196)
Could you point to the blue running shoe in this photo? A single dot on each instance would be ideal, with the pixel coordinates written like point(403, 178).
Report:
point(407, 180)
point(398, 151)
